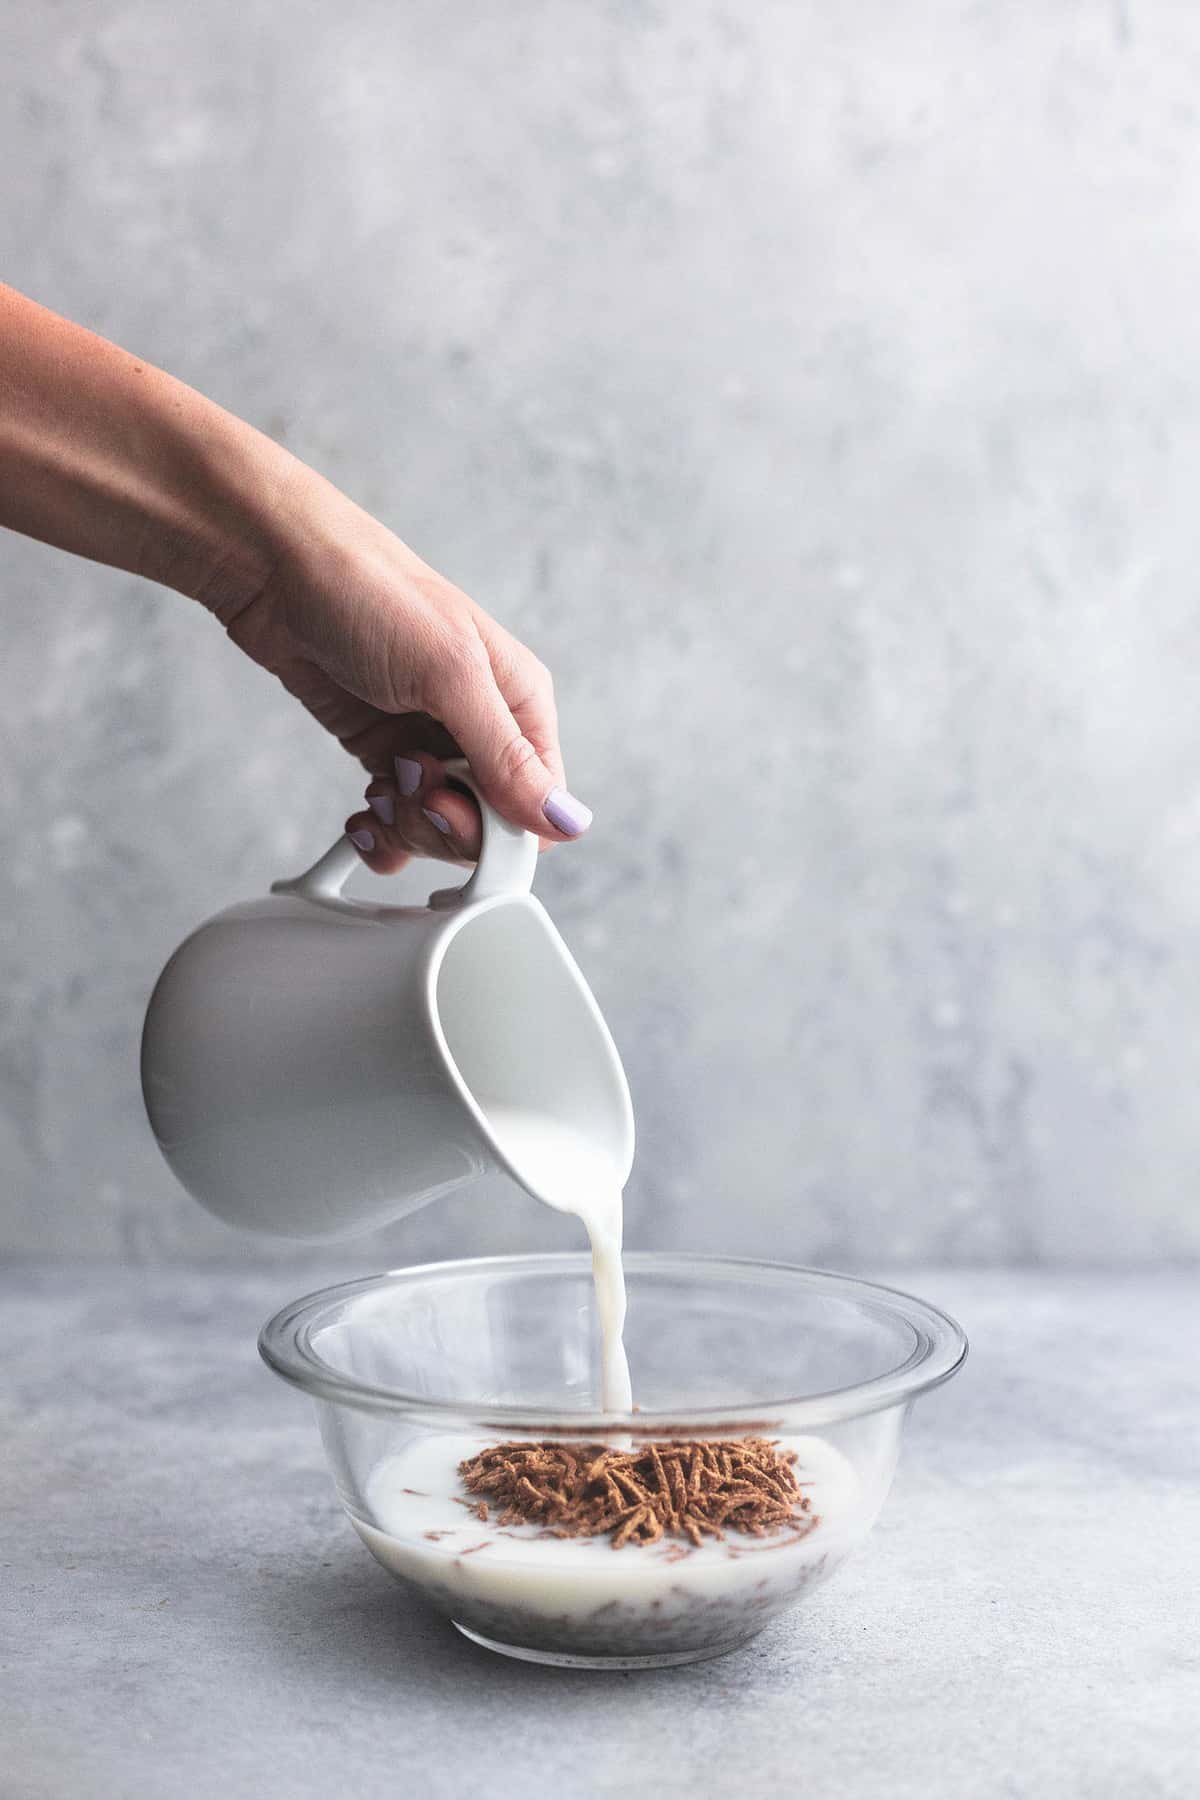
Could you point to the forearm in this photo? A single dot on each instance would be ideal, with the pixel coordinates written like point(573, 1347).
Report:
point(108, 457)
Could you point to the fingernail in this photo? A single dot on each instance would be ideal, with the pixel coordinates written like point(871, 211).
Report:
point(566, 813)
point(408, 775)
point(362, 840)
point(436, 820)
point(383, 806)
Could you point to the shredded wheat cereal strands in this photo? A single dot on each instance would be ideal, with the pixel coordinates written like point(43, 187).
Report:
point(677, 1490)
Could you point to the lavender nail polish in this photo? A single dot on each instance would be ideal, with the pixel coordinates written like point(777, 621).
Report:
point(566, 813)
point(362, 840)
point(383, 806)
point(436, 820)
point(408, 775)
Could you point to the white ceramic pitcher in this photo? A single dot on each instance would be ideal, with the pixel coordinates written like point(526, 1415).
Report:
point(315, 1066)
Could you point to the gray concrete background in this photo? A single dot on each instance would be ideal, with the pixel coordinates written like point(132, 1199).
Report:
point(817, 389)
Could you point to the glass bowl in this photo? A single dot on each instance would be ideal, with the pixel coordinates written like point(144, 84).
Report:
point(413, 1371)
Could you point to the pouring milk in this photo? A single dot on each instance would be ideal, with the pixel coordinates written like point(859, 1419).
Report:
point(570, 1172)
point(316, 1066)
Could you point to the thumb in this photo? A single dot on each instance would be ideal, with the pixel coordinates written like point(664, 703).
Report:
point(508, 767)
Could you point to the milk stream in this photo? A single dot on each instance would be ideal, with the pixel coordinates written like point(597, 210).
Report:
point(569, 1172)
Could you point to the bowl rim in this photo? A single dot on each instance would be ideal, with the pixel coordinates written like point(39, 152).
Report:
point(285, 1345)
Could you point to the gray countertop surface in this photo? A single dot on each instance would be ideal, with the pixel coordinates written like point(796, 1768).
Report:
point(186, 1613)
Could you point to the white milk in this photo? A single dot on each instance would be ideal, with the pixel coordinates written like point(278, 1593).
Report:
point(569, 1172)
point(516, 1586)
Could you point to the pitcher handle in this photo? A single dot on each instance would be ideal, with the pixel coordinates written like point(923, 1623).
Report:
point(508, 854)
point(507, 859)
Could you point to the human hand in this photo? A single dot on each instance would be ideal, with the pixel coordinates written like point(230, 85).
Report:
point(404, 669)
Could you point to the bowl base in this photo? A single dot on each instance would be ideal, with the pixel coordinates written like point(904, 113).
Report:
point(563, 1659)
